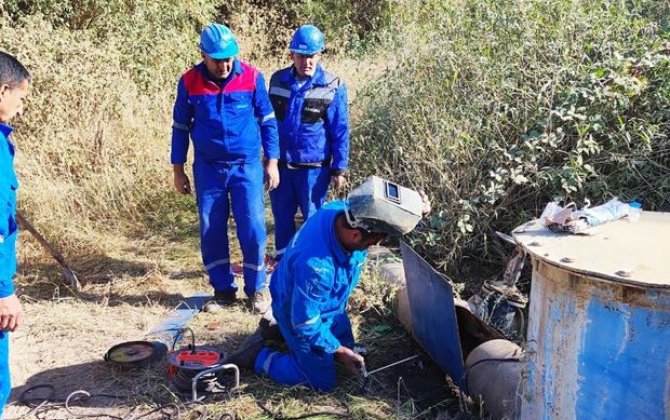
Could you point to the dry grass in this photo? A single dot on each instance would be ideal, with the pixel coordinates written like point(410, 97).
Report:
point(93, 159)
point(66, 334)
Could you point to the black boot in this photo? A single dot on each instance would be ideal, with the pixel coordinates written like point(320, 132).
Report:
point(245, 357)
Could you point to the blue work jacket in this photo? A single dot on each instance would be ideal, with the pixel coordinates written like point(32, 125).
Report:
point(314, 281)
point(8, 228)
point(313, 119)
point(227, 121)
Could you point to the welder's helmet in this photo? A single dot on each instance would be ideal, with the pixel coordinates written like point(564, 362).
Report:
point(307, 40)
point(380, 206)
point(218, 42)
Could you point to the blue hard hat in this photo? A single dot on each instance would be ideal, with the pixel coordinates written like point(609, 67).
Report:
point(307, 40)
point(218, 42)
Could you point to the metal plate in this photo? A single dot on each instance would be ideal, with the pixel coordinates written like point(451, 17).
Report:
point(619, 251)
point(431, 301)
point(178, 318)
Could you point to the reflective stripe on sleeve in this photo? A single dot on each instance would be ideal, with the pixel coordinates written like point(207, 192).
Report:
point(279, 91)
point(217, 263)
point(308, 322)
point(179, 126)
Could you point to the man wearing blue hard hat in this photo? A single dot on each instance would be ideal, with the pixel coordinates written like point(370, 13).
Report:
point(222, 104)
point(313, 121)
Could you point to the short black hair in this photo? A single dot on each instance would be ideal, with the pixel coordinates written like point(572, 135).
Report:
point(12, 72)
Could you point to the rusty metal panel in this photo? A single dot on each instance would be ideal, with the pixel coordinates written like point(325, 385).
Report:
point(431, 301)
point(597, 347)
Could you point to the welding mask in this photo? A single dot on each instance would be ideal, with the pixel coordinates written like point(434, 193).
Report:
point(381, 206)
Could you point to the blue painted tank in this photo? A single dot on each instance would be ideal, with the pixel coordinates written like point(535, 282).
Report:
point(598, 343)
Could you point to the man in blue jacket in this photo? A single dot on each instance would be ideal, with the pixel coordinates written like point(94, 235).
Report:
point(223, 105)
point(313, 120)
point(14, 87)
point(313, 281)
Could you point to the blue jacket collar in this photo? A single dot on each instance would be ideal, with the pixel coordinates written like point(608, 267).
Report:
point(318, 79)
point(5, 129)
point(237, 69)
point(7, 156)
point(341, 255)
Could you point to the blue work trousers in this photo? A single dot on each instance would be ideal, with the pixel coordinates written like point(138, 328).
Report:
point(299, 188)
point(219, 187)
point(304, 365)
point(5, 380)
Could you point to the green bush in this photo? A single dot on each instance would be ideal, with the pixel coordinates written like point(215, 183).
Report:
point(496, 108)
point(493, 107)
point(267, 26)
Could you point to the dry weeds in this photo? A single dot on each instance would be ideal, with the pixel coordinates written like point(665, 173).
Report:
point(136, 282)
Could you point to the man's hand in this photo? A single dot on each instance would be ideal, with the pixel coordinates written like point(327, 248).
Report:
point(11, 313)
point(349, 359)
point(181, 182)
point(271, 174)
point(338, 182)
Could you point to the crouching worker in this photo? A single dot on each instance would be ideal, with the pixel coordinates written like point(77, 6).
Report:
point(316, 276)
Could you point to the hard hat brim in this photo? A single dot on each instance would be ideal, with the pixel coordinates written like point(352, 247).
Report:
point(305, 52)
point(222, 54)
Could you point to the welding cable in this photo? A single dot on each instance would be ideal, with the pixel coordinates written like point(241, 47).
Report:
point(87, 396)
point(39, 406)
point(34, 408)
point(179, 335)
point(280, 416)
point(176, 412)
point(43, 404)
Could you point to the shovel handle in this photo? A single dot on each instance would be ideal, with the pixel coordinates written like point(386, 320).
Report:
point(41, 239)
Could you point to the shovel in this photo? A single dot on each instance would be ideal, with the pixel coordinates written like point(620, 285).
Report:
point(69, 275)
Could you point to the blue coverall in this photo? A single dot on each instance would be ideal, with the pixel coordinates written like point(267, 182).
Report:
point(313, 123)
point(8, 233)
point(310, 289)
point(227, 122)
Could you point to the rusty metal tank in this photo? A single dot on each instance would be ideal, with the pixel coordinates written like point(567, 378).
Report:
point(598, 343)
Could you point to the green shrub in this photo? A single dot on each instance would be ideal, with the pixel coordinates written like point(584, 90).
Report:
point(495, 108)
point(266, 26)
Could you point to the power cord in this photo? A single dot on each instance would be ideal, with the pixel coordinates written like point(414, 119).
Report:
point(41, 405)
point(279, 416)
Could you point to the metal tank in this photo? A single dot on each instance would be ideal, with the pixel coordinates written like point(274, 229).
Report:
point(598, 343)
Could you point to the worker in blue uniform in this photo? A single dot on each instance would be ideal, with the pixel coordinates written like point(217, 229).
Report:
point(311, 107)
point(313, 281)
point(223, 105)
point(14, 87)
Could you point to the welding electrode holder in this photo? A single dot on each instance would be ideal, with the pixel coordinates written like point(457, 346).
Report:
point(362, 351)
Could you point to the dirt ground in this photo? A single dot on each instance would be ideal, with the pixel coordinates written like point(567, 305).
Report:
point(129, 290)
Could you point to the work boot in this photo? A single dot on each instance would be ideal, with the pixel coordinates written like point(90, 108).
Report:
point(245, 357)
point(225, 298)
point(220, 300)
point(270, 264)
point(268, 327)
point(260, 301)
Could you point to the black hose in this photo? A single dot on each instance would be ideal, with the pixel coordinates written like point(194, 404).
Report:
point(39, 406)
point(279, 416)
